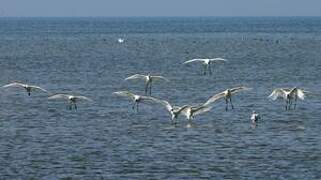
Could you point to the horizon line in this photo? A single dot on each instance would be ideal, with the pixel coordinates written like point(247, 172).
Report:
point(241, 16)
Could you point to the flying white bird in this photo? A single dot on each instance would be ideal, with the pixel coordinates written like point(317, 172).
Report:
point(173, 110)
point(70, 98)
point(288, 95)
point(148, 80)
point(120, 40)
point(227, 95)
point(255, 117)
point(135, 98)
point(27, 87)
point(206, 63)
point(191, 111)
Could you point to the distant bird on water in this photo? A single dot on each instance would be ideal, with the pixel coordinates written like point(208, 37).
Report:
point(120, 40)
point(135, 98)
point(288, 95)
point(227, 95)
point(27, 87)
point(148, 80)
point(206, 63)
point(255, 117)
point(72, 99)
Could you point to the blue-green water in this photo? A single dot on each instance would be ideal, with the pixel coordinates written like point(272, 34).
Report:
point(41, 139)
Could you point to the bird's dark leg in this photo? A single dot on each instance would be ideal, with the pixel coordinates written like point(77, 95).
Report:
point(70, 106)
point(226, 101)
point(231, 103)
point(286, 104)
point(75, 106)
point(150, 88)
point(133, 107)
point(290, 104)
point(146, 87)
point(205, 69)
point(295, 101)
point(137, 107)
point(210, 69)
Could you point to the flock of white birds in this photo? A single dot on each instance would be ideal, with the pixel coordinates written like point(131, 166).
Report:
point(290, 95)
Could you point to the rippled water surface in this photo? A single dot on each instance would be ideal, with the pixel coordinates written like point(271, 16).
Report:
point(105, 139)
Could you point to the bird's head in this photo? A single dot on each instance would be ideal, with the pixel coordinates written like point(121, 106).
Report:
point(136, 98)
point(72, 98)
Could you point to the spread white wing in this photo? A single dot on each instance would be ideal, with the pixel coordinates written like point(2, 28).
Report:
point(238, 89)
point(136, 76)
point(214, 98)
point(167, 105)
point(125, 94)
point(159, 78)
point(83, 98)
point(276, 93)
point(194, 60)
point(37, 87)
point(301, 94)
point(14, 84)
point(59, 96)
point(217, 59)
point(201, 109)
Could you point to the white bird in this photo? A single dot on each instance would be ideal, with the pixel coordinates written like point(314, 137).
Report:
point(255, 117)
point(206, 63)
point(27, 87)
point(148, 80)
point(191, 111)
point(227, 95)
point(120, 40)
point(72, 99)
point(288, 95)
point(173, 110)
point(135, 98)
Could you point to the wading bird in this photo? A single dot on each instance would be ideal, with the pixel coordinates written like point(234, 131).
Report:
point(27, 87)
point(173, 110)
point(120, 40)
point(135, 98)
point(288, 95)
point(148, 80)
point(255, 117)
point(227, 95)
point(191, 111)
point(72, 100)
point(206, 63)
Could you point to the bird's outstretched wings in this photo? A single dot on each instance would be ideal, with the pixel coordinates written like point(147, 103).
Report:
point(238, 89)
point(193, 60)
point(14, 84)
point(279, 92)
point(37, 87)
point(125, 94)
point(136, 76)
point(301, 93)
point(59, 96)
point(159, 78)
point(83, 98)
point(201, 109)
point(217, 59)
point(17, 84)
point(214, 98)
